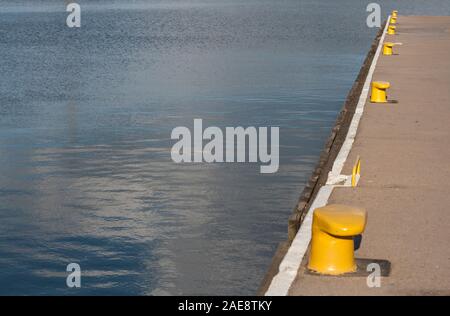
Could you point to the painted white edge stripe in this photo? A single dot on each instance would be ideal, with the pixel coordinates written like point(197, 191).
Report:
point(341, 158)
point(287, 271)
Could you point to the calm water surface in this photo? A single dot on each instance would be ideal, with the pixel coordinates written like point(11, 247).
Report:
point(85, 122)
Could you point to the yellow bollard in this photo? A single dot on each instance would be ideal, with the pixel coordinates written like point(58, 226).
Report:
point(393, 20)
point(332, 246)
point(394, 13)
point(391, 30)
point(387, 48)
point(379, 91)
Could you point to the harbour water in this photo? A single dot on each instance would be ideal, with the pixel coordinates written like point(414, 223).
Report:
point(85, 122)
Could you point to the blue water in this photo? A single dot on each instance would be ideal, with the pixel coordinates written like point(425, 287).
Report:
point(85, 121)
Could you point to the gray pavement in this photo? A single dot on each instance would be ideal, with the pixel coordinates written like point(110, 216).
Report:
point(405, 170)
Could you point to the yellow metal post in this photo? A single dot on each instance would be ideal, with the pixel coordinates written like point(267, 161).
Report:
point(332, 247)
point(387, 48)
point(379, 91)
point(391, 30)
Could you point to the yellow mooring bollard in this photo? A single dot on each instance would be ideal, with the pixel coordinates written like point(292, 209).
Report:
point(391, 30)
point(394, 13)
point(387, 48)
point(379, 91)
point(393, 20)
point(332, 246)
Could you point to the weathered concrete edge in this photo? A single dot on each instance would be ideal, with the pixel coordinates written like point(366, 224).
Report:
point(319, 175)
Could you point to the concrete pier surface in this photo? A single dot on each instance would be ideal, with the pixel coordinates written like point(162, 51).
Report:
point(405, 171)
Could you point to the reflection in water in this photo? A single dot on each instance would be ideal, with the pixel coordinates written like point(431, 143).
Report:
point(85, 122)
